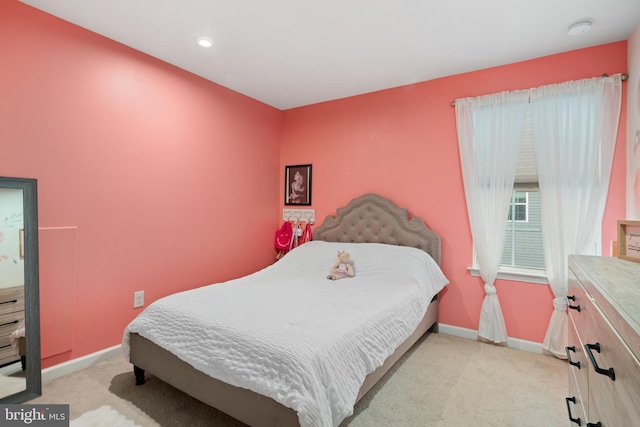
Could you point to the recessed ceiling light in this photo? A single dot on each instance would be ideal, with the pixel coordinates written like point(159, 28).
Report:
point(204, 41)
point(579, 28)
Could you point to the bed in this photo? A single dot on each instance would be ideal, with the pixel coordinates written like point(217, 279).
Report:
point(263, 362)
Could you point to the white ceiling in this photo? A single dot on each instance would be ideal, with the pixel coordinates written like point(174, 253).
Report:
point(290, 53)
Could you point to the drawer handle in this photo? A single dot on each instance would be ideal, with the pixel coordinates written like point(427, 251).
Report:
point(9, 323)
point(608, 372)
point(13, 301)
point(571, 362)
point(598, 424)
point(569, 401)
point(573, 307)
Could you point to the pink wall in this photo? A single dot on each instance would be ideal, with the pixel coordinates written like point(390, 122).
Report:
point(150, 178)
point(402, 143)
point(153, 179)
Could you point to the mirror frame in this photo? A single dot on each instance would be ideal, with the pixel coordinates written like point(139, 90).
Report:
point(29, 189)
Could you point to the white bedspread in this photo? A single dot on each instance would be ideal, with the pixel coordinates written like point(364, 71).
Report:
point(289, 333)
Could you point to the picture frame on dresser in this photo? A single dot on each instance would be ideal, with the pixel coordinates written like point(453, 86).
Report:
point(629, 240)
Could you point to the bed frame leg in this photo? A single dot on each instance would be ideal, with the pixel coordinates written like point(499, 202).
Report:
point(139, 373)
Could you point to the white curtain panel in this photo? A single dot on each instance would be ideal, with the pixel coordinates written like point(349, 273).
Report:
point(574, 133)
point(489, 134)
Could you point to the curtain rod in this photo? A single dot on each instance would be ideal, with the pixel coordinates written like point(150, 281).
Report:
point(623, 77)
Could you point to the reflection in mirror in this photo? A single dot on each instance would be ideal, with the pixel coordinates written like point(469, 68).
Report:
point(20, 376)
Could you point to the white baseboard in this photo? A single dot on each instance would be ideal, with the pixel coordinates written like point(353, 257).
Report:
point(80, 363)
point(471, 334)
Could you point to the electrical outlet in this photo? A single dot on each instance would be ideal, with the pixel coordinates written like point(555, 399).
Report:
point(138, 299)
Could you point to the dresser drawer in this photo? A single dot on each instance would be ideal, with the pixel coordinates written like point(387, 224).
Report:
point(9, 322)
point(11, 299)
point(575, 403)
point(7, 352)
point(614, 393)
point(578, 365)
point(576, 297)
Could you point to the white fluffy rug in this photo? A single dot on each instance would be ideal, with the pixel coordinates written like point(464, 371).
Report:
point(104, 416)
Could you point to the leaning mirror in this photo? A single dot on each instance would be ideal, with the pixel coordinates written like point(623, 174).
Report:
point(20, 375)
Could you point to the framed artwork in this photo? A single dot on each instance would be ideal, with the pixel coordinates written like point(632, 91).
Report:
point(629, 240)
point(297, 185)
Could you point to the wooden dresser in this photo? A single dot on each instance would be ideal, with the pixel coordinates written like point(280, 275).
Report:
point(11, 314)
point(604, 342)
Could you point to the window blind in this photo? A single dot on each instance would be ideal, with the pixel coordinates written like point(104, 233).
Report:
point(526, 173)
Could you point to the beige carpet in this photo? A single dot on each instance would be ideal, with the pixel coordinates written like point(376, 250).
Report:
point(444, 381)
point(10, 385)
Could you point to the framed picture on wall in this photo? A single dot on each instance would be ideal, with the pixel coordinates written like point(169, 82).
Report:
point(297, 185)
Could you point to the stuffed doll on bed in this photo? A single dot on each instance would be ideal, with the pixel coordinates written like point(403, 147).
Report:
point(343, 267)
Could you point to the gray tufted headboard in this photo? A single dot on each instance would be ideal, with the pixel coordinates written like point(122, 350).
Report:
point(371, 218)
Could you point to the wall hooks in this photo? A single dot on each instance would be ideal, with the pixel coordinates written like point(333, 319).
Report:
point(309, 217)
point(306, 215)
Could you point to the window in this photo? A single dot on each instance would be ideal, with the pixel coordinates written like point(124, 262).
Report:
point(522, 247)
point(522, 255)
point(518, 210)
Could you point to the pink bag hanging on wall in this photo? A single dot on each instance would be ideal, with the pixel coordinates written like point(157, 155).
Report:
point(284, 237)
